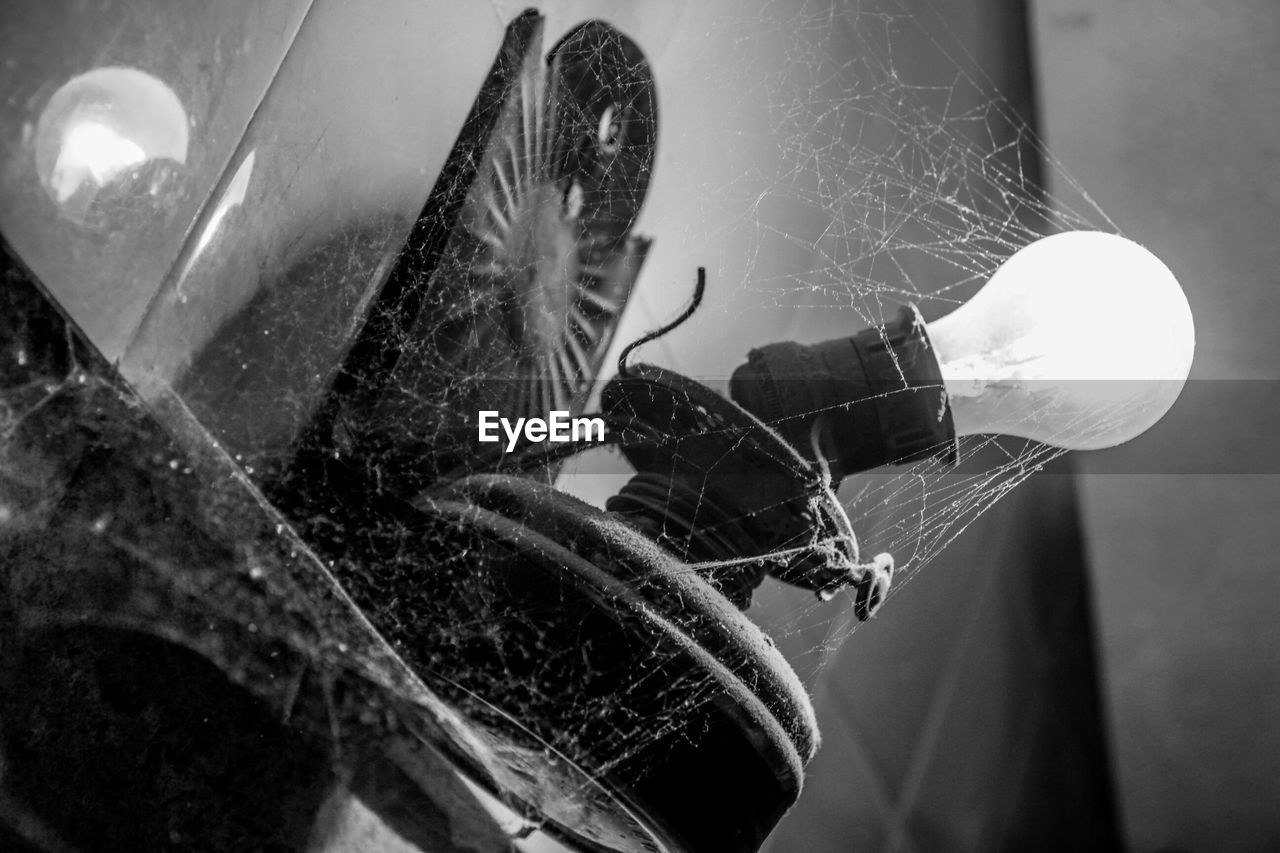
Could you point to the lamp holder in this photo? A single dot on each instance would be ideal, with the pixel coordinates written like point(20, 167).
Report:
point(859, 402)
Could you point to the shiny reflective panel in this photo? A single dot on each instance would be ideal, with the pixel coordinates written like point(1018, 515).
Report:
point(118, 121)
point(231, 199)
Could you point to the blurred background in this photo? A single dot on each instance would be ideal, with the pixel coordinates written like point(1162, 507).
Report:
point(1090, 663)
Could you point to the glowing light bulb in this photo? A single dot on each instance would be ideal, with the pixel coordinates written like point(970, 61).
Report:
point(1081, 340)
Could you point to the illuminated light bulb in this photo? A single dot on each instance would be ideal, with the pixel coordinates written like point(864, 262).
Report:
point(1081, 340)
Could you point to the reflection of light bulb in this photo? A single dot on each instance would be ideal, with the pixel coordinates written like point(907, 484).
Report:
point(1081, 340)
point(100, 131)
point(91, 151)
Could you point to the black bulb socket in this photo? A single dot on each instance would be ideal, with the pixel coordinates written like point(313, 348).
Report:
point(875, 398)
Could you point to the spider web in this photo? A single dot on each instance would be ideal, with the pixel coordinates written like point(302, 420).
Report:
point(841, 182)
point(874, 163)
point(856, 182)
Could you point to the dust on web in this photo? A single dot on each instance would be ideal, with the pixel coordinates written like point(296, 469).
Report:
point(880, 125)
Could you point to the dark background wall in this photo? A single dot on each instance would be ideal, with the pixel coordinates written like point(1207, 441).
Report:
point(1168, 114)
